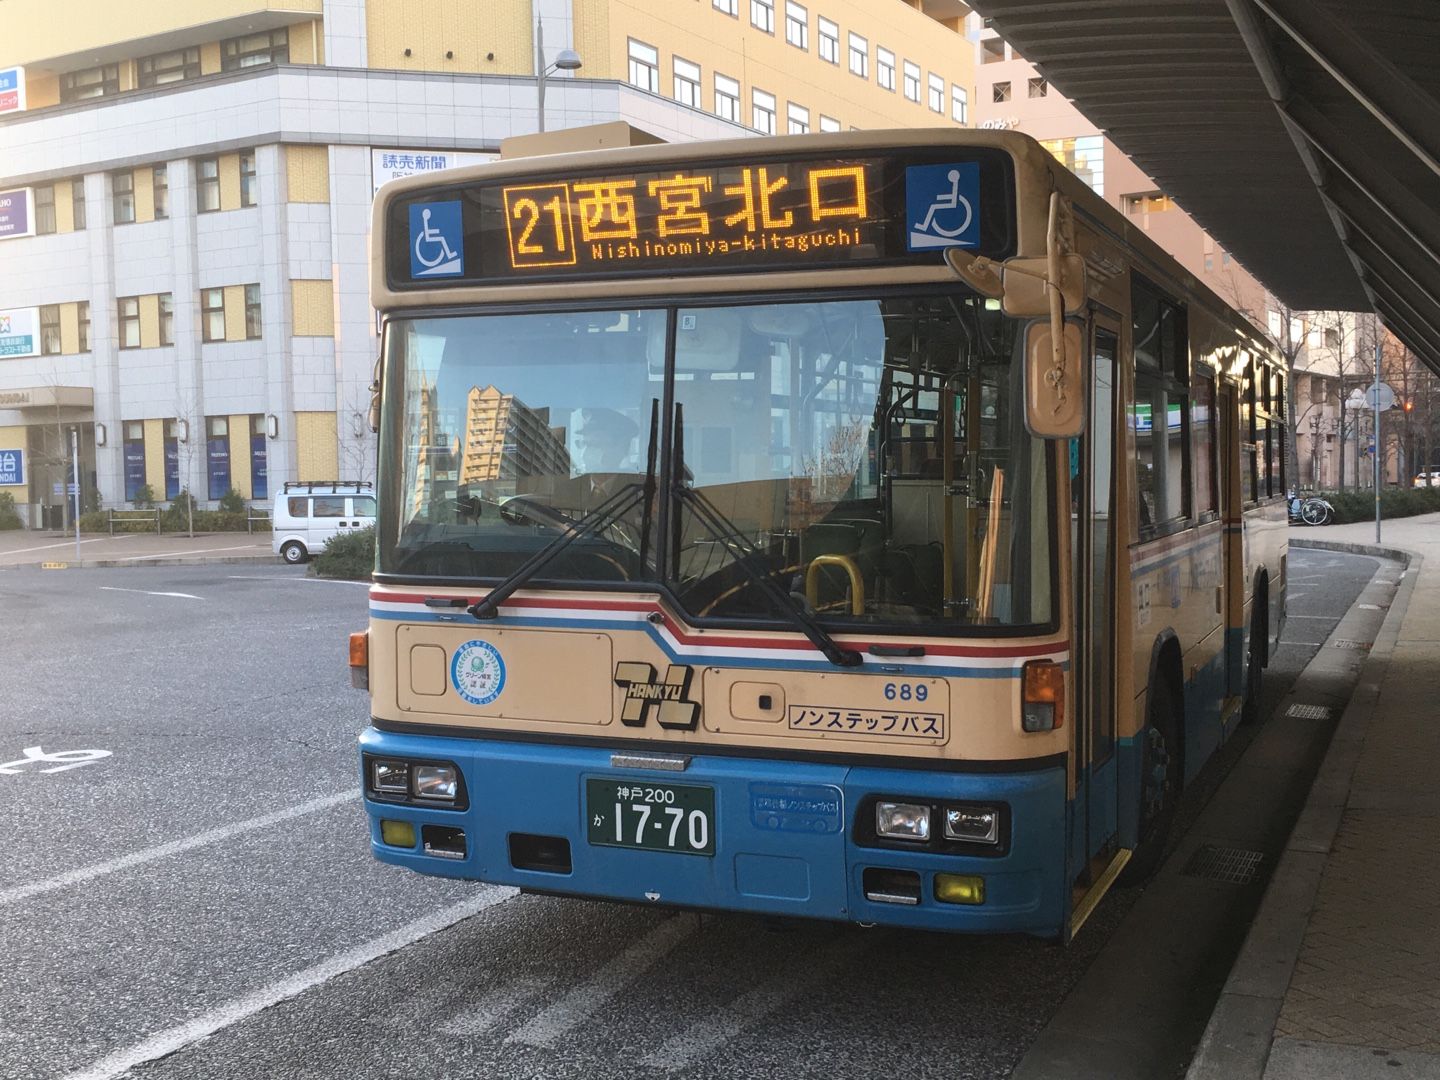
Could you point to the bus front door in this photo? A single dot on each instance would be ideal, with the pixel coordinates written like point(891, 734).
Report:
point(1096, 775)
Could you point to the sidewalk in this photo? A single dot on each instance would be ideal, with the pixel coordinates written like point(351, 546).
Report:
point(23, 547)
point(1340, 974)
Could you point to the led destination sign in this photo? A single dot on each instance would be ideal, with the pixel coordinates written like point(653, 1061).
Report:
point(706, 217)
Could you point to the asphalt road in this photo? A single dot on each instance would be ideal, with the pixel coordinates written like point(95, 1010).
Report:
point(201, 902)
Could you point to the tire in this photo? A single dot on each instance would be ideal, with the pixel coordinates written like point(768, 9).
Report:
point(1160, 781)
point(1254, 670)
point(293, 552)
point(1314, 512)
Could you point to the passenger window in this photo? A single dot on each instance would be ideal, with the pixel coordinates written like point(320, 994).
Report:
point(299, 508)
point(1202, 433)
point(330, 508)
point(1160, 412)
point(364, 506)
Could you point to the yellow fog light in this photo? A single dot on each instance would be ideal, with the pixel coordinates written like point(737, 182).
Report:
point(400, 833)
point(959, 888)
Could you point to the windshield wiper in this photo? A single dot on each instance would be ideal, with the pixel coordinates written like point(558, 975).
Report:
point(606, 514)
point(744, 552)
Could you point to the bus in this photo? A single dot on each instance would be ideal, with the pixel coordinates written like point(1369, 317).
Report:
point(873, 527)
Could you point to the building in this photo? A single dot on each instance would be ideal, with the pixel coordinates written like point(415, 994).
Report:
point(185, 193)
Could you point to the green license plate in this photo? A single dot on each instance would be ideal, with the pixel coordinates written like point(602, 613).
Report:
point(656, 817)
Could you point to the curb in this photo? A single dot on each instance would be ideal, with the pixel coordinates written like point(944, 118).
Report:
point(1237, 1040)
point(133, 562)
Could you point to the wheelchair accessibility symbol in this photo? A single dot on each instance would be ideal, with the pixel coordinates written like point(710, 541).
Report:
point(942, 206)
point(437, 247)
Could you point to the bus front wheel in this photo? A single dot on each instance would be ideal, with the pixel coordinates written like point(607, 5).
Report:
point(1159, 780)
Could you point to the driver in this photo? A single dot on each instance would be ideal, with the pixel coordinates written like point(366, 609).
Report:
point(601, 445)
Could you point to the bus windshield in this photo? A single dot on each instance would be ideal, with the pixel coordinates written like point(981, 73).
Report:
point(867, 455)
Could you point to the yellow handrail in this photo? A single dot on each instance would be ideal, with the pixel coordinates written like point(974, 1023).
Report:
point(852, 571)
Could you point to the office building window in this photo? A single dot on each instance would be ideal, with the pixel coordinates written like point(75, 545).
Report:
point(797, 25)
point(1085, 157)
point(859, 56)
point(959, 104)
point(212, 315)
point(122, 191)
point(259, 463)
point(644, 66)
point(167, 319)
point(128, 311)
point(829, 40)
point(255, 50)
point(82, 312)
point(1000, 92)
point(912, 81)
point(762, 112)
point(729, 7)
point(1039, 87)
point(168, 67)
point(217, 455)
point(798, 118)
point(884, 67)
point(44, 196)
point(134, 448)
point(50, 330)
point(937, 93)
point(160, 184)
point(77, 202)
point(207, 185)
point(91, 83)
point(829, 123)
point(247, 178)
point(727, 98)
point(687, 83)
point(762, 15)
point(252, 312)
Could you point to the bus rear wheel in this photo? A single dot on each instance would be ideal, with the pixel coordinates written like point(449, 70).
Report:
point(1159, 781)
point(1250, 707)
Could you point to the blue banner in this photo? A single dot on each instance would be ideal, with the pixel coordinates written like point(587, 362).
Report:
point(218, 458)
point(259, 470)
point(134, 468)
point(172, 468)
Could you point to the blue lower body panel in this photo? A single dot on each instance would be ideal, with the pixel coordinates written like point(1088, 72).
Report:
point(784, 835)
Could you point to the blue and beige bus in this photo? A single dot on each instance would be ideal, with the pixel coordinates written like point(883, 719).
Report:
point(871, 527)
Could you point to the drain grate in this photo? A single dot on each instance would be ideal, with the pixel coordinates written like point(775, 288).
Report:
point(1234, 865)
point(1309, 712)
point(1346, 643)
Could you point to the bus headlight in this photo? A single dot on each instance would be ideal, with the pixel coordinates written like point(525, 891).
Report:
point(390, 777)
point(975, 824)
point(436, 782)
point(902, 821)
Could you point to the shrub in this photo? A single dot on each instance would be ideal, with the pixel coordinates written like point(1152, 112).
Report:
point(144, 497)
point(349, 555)
point(232, 502)
point(1353, 506)
point(9, 516)
point(176, 517)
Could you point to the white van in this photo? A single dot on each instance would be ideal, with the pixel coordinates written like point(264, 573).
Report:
point(306, 514)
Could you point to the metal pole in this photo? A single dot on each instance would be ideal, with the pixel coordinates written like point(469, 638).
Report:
point(75, 472)
point(1375, 401)
point(540, 73)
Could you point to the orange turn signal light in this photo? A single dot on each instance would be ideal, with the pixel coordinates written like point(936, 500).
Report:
point(360, 649)
point(1042, 696)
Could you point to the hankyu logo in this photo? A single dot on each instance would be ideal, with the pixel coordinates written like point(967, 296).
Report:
point(669, 698)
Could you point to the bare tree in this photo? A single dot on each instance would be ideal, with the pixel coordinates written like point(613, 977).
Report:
point(192, 426)
point(358, 451)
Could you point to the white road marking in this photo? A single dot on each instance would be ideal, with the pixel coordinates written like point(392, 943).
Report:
point(1327, 618)
point(703, 1038)
point(69, 759)
point(242, 1008)
point(551, 1025)
point(174, 847)
point(64, 543)
point(491, 1008)
point(197, 551)
point(147, 592)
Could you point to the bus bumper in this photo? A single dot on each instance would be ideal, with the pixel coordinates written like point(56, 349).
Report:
point(785, 836)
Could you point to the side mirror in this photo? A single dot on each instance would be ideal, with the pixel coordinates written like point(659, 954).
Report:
point(1054, 381)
